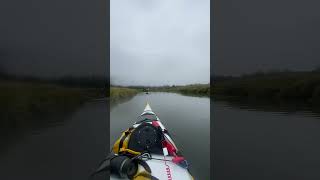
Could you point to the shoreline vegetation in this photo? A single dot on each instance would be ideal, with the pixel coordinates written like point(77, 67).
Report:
point(190, 90)
point(26, 102)
point(23, 98)
point(122, 92)
point(275, 87)
point(118, 94)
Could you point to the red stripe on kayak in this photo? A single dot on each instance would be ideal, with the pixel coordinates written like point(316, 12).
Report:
point(155, 124)
point(171, 149)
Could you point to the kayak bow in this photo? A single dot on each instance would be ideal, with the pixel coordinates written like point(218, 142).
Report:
point(149, 142)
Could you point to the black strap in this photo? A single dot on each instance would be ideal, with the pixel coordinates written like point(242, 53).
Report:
point(104, 165)
point(147, 168)
point(144, 165)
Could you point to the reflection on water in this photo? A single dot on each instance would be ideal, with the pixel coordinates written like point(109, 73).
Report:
point(186, 118)
point(16, 126)
point(281, 107)
point(265, 141)
point(67, 146)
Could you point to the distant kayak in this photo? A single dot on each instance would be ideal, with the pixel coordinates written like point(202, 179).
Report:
point(146, 151)
point(146, 90)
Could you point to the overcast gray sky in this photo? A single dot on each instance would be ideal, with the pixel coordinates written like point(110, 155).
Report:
point(158, 42)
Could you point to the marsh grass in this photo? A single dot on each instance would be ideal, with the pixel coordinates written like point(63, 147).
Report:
point(282, 86)
point(23, 103)
point(120, 93)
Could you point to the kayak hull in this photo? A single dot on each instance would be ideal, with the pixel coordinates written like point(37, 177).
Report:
point(162, 166)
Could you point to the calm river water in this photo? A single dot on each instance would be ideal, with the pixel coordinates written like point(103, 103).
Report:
point(250, 142)
point(186, 118)
point(67, 148)
point(256, 142)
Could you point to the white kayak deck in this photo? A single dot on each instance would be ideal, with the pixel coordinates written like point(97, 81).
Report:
point(161, 166)
point(164, 170)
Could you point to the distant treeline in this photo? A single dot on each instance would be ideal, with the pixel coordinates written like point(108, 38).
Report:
point(285, 85)
point(192, 89)
point(72, 81)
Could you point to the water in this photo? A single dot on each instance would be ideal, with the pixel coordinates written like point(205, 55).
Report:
point(68, 148)
point(265, 142)
point(186, 118)
point(250, 141)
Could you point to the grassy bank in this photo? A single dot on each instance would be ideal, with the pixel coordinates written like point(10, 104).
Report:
point(24, 104)
point(193, 90)
point(277, 86)
point(120, 93)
